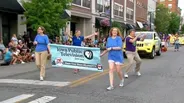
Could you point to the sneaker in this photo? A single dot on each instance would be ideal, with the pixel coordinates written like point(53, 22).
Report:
point(41, 78)
point(22, 62)
point(126, 75)
point(110, 88)
point(138, 74)
point(121, 83)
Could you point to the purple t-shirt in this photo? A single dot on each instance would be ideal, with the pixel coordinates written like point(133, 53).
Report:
point(131, 46)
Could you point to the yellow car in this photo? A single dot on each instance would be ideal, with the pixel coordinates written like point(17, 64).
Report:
point(150, 46)
point(181, 40)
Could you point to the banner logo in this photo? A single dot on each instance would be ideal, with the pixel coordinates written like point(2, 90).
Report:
point(88, 54)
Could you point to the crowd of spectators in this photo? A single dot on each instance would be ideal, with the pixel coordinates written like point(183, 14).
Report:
point(18, 51)
point(21, 51)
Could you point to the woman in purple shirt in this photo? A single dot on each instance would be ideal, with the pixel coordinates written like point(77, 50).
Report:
point(115, 56)
point(131, 52)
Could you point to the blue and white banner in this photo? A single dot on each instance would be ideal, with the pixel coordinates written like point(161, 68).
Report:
point(75, 57)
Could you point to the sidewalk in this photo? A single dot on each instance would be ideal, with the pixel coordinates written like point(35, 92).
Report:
point(16, 69)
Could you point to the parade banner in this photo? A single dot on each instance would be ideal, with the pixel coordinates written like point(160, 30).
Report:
point(74, 57)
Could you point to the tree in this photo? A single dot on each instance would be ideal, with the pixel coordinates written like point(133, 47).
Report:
point(182, 29)
point(118, 25)
point(46, 13)
point(174, 23)
point(162, 19)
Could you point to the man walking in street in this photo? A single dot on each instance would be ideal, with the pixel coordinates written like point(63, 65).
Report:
point(131, 52)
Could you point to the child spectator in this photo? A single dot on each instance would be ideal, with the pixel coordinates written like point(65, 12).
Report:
point(7, 57)
point(17, 56)
point(11, 44)
point(83, 44)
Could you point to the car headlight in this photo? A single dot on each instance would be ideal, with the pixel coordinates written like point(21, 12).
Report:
point(147, 44)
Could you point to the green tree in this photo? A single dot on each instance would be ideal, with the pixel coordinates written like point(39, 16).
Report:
point(118, 25)
point(182, 29)
point(162, 19)
point(46, 13)
point(174, 23)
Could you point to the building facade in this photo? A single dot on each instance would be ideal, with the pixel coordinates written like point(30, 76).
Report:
point(86, 15)
point(11, 19)
point(141, 13)
point(172, 5)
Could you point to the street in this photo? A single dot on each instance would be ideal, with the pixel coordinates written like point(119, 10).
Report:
point(161, 82)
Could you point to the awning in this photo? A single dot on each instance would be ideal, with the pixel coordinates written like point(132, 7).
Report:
point(140, 24)
point(82, 15)
point(129, 26)
point(66, 14)
point(124, 25)
point(11, 6)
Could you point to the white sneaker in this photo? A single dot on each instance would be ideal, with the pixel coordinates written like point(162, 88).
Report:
point(23, 62)
point(138, 74)
point(126, 75)
point(110, 88)
point(121, 83)
point(41, 78)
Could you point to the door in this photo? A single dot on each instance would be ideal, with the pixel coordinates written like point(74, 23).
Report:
point(73, 28)
point(6, 35)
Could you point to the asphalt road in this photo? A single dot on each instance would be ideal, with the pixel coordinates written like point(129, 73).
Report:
point(161, 82)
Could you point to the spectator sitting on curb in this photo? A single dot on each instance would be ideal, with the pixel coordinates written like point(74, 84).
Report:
point(17, 56)
point(7, 58)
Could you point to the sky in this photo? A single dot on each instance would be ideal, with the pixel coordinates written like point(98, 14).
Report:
point(180, 4)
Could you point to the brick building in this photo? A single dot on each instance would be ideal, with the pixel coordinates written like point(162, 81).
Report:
point(85, 14)
point(172, 5)
point(141, 13)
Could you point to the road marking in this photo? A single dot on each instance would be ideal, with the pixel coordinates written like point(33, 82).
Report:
point(44, 99)
point(34, 82)
point(90, 77)
point(18, 99)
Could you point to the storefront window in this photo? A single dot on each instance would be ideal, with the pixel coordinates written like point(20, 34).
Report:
point(87, 3)
point(78, 2)
point(129, 14)
point(118, 10)
point(84, 3)
point(99, 6)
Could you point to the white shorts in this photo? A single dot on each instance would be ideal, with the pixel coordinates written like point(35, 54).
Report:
point(117, 63)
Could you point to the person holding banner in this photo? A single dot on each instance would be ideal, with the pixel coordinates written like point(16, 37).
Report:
point(78, 39)
point(115, 56)
point(41, 52)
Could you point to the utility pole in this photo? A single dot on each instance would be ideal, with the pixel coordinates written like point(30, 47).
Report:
point(150, 20)
point(110, 19)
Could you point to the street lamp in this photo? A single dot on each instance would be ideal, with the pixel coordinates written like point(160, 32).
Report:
point(150, 20)
point(110, 13)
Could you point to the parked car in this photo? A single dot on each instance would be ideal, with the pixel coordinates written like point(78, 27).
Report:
point(150, 46)
point(2, 47)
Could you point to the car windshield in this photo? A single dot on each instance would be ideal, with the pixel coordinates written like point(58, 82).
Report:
point(148, 35)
